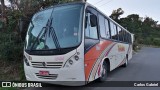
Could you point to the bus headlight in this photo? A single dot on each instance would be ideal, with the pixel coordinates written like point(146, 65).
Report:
point(72, 61)
point(76, 57)
point(26, 61)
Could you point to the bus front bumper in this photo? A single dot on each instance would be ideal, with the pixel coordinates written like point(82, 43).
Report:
point(63, 76)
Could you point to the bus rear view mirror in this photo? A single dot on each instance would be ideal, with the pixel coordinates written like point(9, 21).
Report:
point(93, 20)
point(22, 24)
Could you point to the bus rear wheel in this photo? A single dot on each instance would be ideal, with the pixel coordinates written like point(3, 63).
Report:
point(126, 62)
point(104, 72)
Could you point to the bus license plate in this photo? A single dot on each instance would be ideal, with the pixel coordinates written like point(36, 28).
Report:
point(44, 73)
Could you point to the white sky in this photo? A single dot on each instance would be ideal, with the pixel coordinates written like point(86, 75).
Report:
point(150, 8)
point(6, 2)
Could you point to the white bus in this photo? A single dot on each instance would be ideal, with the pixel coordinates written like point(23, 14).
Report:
point(74, 42)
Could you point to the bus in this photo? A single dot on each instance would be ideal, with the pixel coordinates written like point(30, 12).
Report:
point(74, 42)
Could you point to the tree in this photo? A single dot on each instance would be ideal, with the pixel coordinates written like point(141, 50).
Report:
point(116, 14)
point(3, 16)
point(149, 26)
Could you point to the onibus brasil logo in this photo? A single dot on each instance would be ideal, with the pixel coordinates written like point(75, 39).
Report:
point(19, 84)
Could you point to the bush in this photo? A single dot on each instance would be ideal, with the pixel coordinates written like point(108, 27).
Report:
point(156, 42)
point(136, 46)
point(11, 49)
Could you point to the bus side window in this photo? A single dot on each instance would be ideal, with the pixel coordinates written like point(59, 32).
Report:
point(119, 32)
point(123, 33)
point(102, 26)
point(107, 29)
point(91, 26)
point(113, 28)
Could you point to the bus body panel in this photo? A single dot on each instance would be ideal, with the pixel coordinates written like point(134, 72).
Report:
point(72, 73)
point(114, 51)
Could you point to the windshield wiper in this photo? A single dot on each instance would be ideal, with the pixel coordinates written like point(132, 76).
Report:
point(51, 32)
point(44, 28)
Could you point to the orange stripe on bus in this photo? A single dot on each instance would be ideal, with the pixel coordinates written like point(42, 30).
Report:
point(92, 55)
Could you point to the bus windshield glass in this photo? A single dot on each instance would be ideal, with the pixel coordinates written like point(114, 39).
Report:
point(58, 27)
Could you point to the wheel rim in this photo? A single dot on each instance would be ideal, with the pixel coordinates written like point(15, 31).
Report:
point(126, 61)
point(104, 71)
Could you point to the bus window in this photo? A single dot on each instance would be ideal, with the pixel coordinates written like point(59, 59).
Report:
point(130, 41)
point(102, 26)
point(91, 30)
point(119, 32)
point(114, 34)
point(107, 29)
point(124, 35)
point(127, 37)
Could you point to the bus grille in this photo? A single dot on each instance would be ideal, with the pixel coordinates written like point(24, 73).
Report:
point(50, 76)
point(47, 64)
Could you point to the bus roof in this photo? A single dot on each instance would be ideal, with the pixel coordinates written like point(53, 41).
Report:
point(86, 4)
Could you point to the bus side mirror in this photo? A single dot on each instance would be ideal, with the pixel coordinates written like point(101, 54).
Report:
point(22, 24)
point(93, 20)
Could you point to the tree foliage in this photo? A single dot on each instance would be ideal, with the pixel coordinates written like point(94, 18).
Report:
point(145, 29)
point(116, 14)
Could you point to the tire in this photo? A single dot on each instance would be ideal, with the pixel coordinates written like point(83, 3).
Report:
point(126, 62)
point(104, 73)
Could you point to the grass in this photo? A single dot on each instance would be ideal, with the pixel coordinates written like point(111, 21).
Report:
point(11, 70)
point(11, 88)
point(154, 46)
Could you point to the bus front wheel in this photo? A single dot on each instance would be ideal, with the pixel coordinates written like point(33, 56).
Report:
point(104, 72)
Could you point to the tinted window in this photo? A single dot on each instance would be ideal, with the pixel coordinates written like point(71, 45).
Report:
point(125, 36)
point(107, 29)
point(130, 41)
point(113, 31)
point(122, 32)
point(129, 37)
point(102, 26)
point(125, 39)
point(120, 38)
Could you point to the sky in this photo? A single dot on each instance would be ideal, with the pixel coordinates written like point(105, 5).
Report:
point(150, 8)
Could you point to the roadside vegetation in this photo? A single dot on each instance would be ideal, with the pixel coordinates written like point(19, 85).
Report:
point(145, 29)
point(12, 39)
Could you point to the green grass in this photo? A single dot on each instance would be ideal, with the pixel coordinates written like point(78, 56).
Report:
point(11, 88)
point(11, 71)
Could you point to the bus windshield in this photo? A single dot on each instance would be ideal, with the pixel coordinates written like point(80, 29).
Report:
point(64, 21)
